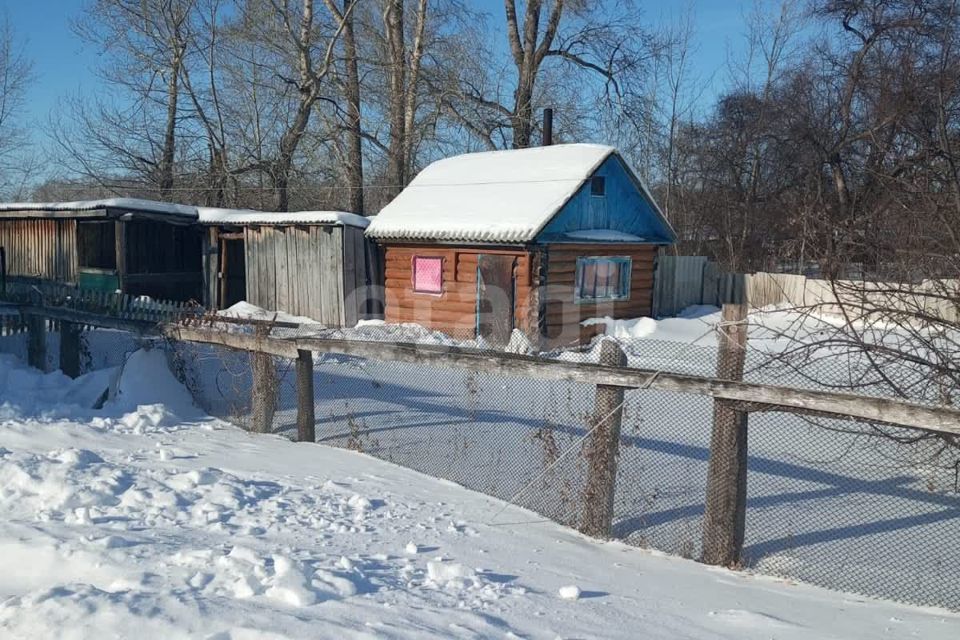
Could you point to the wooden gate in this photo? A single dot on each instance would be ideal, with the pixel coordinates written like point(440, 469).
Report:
point(495, 297)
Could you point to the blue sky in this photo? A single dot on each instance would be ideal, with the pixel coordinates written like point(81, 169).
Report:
point(63, 63)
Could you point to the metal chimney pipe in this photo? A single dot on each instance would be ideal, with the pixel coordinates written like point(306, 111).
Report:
point(547, 127)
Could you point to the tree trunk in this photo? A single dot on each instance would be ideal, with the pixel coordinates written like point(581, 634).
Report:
point(393, 21)
point(523, 113)
point(354, 168)
point(165, 178)
point(413, 80)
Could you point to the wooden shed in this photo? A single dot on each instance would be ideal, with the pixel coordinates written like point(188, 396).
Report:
point(316, 264)
point(138, 247)
point(536, 239)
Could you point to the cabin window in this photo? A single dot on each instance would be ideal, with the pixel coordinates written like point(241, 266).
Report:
point(603, 278)
point(96, 245)
point(598, 186)
point(427, 275)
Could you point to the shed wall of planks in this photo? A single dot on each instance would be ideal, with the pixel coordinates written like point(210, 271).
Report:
point(299, 270)
point(40, 248)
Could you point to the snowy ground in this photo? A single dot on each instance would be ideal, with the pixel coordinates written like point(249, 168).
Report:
point(148, 519)
point(827, 503)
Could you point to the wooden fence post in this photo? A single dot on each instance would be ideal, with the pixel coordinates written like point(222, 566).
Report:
point(602, 449)
point(3, 272)
point(37, 341)
point(305, 399)
point(70, 348)
point(263, 400)
point(725, 512)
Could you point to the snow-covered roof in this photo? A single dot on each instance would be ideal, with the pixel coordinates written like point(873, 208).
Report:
point(203, 215)
point(495, 196)
point(209, 215)
point(131, 204)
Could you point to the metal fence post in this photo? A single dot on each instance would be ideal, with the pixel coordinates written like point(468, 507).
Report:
point(724, 517)
point(305, 411)
point(602, 449)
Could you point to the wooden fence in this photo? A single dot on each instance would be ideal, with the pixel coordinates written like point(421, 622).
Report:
point(684, 281)
point(734, 400)
point(54, 295)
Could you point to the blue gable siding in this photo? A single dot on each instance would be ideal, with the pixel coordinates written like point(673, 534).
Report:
point(623, 208)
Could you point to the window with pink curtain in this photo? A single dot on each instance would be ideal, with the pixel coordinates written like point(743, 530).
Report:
point(427, 275)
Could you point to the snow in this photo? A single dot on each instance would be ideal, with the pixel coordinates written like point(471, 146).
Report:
point(205, 215)
point(248, 311)
point(602, 235)
point(213, 216)
point(494, 196)
point(631, 329)
point(116, 524)
point(131, 204)
point(570, 592)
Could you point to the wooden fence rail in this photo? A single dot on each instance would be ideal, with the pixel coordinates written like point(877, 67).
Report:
point(725, 504)
point(733, 399)
point(754, 397)
point(56, 295)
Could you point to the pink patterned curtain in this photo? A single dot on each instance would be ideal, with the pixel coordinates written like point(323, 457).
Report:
point(428, 275)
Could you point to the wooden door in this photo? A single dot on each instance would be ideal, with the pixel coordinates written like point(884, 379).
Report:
point(495, 297)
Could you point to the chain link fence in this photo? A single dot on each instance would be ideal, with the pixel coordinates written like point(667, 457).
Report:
point(860, 507)
point(849, 505)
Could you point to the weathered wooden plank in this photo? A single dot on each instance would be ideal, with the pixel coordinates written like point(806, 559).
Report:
point(725, 509)
point(351, 289)
point(70, 349)
point(331, 280)
point(315, 275)
point(303, 270)
point(336, 243)
point(760, 397)
point(250, 265)
point(293, 284)
point(306, 419)
point(602, 449)
point(93, 319)
point(37, 342)
point(280, 239)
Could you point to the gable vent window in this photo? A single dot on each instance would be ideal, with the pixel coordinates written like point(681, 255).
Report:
point(427, 275)
point(603, 278)
point(598, 186)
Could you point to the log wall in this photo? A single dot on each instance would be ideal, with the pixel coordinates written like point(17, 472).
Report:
point(562, 314)
point(453, 311)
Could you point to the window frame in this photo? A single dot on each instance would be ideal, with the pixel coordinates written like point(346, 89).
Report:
point(602, 181)
point(413, 275)
point(626, 274)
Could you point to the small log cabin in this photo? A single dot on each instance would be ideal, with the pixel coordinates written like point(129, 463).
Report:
point(535, 239)
point(314, 263)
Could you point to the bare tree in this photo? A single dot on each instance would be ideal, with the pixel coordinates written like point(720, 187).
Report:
point(147, 42)
point(302, 48)
point(404, 65)
point(590, 51)
point(15, 76)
